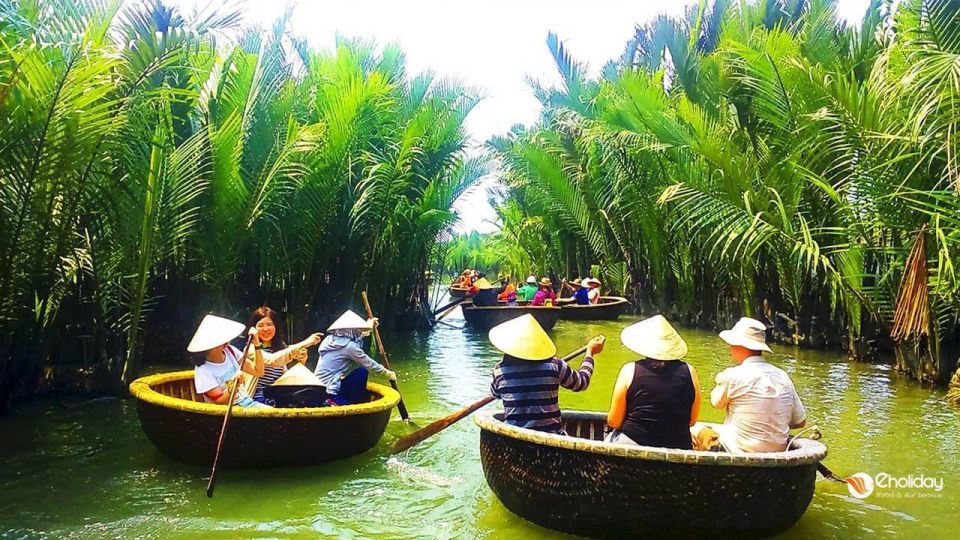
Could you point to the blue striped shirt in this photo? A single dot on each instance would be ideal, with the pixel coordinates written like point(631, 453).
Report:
point(530, 390)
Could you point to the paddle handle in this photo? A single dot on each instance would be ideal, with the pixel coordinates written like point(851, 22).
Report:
point(401, 407)
point(211, 483)
point(451, 305)
point(433, 428)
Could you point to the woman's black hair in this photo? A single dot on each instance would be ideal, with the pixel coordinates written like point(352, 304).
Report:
point(278, 341)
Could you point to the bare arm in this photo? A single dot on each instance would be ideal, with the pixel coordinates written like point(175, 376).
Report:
point(697, 396)
point(618, 404)
point(254, 367)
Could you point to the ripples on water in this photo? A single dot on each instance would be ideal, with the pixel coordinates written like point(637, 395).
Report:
point(83, 469)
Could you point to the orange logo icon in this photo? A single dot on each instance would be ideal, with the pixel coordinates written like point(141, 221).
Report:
point(860, 485)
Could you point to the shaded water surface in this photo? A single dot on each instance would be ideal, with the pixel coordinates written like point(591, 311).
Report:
point(84, 469)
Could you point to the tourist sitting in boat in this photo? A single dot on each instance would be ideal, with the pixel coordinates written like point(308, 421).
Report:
point(593, 292)
point(484, 294)
point(760, 402)
point(276, 353)
point(529, 377)
point(344, 366)
point(506, 288)
point(545, 296)
point(464, 280)
point(528, 291)
point(219, 362)
point(657, 399)
point(580, 292)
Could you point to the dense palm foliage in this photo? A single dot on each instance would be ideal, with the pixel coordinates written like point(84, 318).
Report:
point(762, 158)
point(152, 170)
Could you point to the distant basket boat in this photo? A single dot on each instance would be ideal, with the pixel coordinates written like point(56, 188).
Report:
point(609, 308)
point(458, 292)
point(483, 318)
point(582, 485)
point(185, 428)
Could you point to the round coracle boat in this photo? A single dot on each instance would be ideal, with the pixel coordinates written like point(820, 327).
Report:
point(185, 428)
point(484, 318)
point(582, 485)
point(608, 308)
point(458, 292)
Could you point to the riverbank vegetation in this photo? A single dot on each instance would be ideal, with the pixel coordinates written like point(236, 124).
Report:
point(156, 165)
point(764, 159)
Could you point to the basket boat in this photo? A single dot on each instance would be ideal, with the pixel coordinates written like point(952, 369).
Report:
point(185, 428)
point(458, 292)
point(609, 308)
point(484, 318)
point(582, 485)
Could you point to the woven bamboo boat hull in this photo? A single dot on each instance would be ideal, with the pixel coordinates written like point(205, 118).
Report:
point(186, 429)
point(608, 309)
point(484, 318)
point(458, 292)
point(584, 486)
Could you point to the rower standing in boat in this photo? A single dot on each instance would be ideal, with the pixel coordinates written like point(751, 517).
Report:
point(221, 362)
point(343, 366)
point(528, 291)
point(544, 294)
point(657, 399)
point(529, 377)
point(276, 353)
point(760, 402)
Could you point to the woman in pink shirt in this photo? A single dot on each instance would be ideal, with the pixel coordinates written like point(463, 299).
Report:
point(545, 292)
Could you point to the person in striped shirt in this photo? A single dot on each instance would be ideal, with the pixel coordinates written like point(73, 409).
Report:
point(276, 353)
point(529, 377)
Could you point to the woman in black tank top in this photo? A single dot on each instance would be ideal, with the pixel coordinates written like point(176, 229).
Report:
point(655, 400)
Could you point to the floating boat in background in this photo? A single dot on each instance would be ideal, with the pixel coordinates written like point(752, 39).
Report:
point(484, 318)
point(582, 485)
point(458, 292)
point(609, 308)
point(185, 428)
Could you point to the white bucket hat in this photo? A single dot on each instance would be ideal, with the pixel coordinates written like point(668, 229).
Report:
point(532, 280)
point(654, 338)
point(591, 281)
point(749, 333)
point(213, 332)
point(523, 338)
point(298, 375)
point(350, 321)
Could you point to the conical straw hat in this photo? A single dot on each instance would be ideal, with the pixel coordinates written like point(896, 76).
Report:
point(298, 375)
point(482, 284)
point(523, 338)
point(654, 338)
point(213, 332)
point(350, 321)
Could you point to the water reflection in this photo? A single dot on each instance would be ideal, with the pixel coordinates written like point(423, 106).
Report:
point(86, 470)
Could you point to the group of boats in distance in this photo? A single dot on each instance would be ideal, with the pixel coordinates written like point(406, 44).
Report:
point(577, 483)
point(609, 308)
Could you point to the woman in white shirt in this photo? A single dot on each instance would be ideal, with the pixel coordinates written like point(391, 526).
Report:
point(221, 362)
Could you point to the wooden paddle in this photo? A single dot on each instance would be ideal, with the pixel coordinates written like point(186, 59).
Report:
point(449, 306)
point(226, 419)
point(383, 356)
point(407, 441)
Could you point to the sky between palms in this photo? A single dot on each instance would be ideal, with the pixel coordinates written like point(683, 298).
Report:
point(492, 45)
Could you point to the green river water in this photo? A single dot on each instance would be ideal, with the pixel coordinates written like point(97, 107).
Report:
point(84, 469)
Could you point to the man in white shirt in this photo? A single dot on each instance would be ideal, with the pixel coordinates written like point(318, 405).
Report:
point(760, 402)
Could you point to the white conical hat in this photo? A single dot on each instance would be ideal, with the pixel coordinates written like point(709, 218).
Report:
point(523, 338)
point(298, 375)
point(350, 321)
point(654, 338)
point(213, 332)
